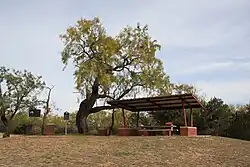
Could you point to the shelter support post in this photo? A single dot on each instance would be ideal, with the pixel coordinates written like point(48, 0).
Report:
point(137, 119)
point(191, 117)
point(124, 119)
point(188, 130)
point(184, 113)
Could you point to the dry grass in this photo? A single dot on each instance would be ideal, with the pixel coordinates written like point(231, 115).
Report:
point(122, 151)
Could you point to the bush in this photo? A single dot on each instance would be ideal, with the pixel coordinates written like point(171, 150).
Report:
point(61, 130)
point(20, 129)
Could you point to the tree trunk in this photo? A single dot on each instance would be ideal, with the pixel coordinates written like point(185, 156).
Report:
point(6, 125)
point(79, 122)
point(43, 123)
point(85, 107)
point(7, 132)
point(47, 109)
point(112, 123)
point(85, 125)
point(82, 115)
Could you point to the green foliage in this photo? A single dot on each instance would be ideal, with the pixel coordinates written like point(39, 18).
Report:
point(101, 119)
point(163, 117)
point(217, 118)
point(144, 119)
point(121, 63)
point(19, 90)
point(175, 116)
point(240, 123)
point(57, 120)
point(184, 88)
point(220, 119)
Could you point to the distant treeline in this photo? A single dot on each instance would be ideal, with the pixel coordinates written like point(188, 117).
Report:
point(220, 119)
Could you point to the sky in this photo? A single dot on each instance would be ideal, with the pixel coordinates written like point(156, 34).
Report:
point(204, 42)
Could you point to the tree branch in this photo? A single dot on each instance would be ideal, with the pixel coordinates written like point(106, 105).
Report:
point(127, 91)
point(83, 48)
point(124, 65)
point(17, 107)
point(105, 96)
point(48, 100)
point(99, 108)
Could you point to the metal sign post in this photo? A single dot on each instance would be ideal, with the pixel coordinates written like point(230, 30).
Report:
point(66, 118)
point(66, 127)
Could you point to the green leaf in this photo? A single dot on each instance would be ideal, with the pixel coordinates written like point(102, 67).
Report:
point(119, 62)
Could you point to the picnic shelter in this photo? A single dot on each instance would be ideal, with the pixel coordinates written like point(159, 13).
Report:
point(163, 103)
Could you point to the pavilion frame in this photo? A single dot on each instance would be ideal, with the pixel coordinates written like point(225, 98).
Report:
point(160, 103)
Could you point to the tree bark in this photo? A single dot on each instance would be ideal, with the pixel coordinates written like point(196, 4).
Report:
point(85, 108)
point(79, 122)
point(100, 108)
point(6, 125)
point(43, 123)
point(112, 123)
point(81, 116)
point(7, 132)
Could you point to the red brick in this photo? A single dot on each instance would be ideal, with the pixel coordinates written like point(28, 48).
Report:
point(188, 131)
point(127, 132)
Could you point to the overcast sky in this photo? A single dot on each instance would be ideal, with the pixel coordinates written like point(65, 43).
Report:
point(206, 43)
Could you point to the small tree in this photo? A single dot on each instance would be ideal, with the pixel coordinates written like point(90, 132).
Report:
point(19, 90)
point(47, 108)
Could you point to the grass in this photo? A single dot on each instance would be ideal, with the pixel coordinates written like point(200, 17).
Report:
point(74, 151)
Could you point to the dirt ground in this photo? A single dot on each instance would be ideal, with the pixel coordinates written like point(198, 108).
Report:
point(74, 151)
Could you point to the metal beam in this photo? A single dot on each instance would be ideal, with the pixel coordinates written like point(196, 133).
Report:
point(184, 114)
point(191, 117)
point(137, 119)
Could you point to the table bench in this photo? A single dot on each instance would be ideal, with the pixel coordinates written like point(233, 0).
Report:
point(151, 130)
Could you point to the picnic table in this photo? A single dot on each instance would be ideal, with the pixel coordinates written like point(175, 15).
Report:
point(152, 130)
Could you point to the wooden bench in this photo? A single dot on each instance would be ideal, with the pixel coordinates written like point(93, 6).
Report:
point(146, 132)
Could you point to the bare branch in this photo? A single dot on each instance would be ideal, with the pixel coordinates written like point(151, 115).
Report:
point(17, 107)
point(48, 99)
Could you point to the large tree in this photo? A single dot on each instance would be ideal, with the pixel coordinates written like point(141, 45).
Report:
point(19, 90)
point(111, 67)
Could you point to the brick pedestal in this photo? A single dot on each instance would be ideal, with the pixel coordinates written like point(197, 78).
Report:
point(188, 131)
point(127, 132)
point(49, 129)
